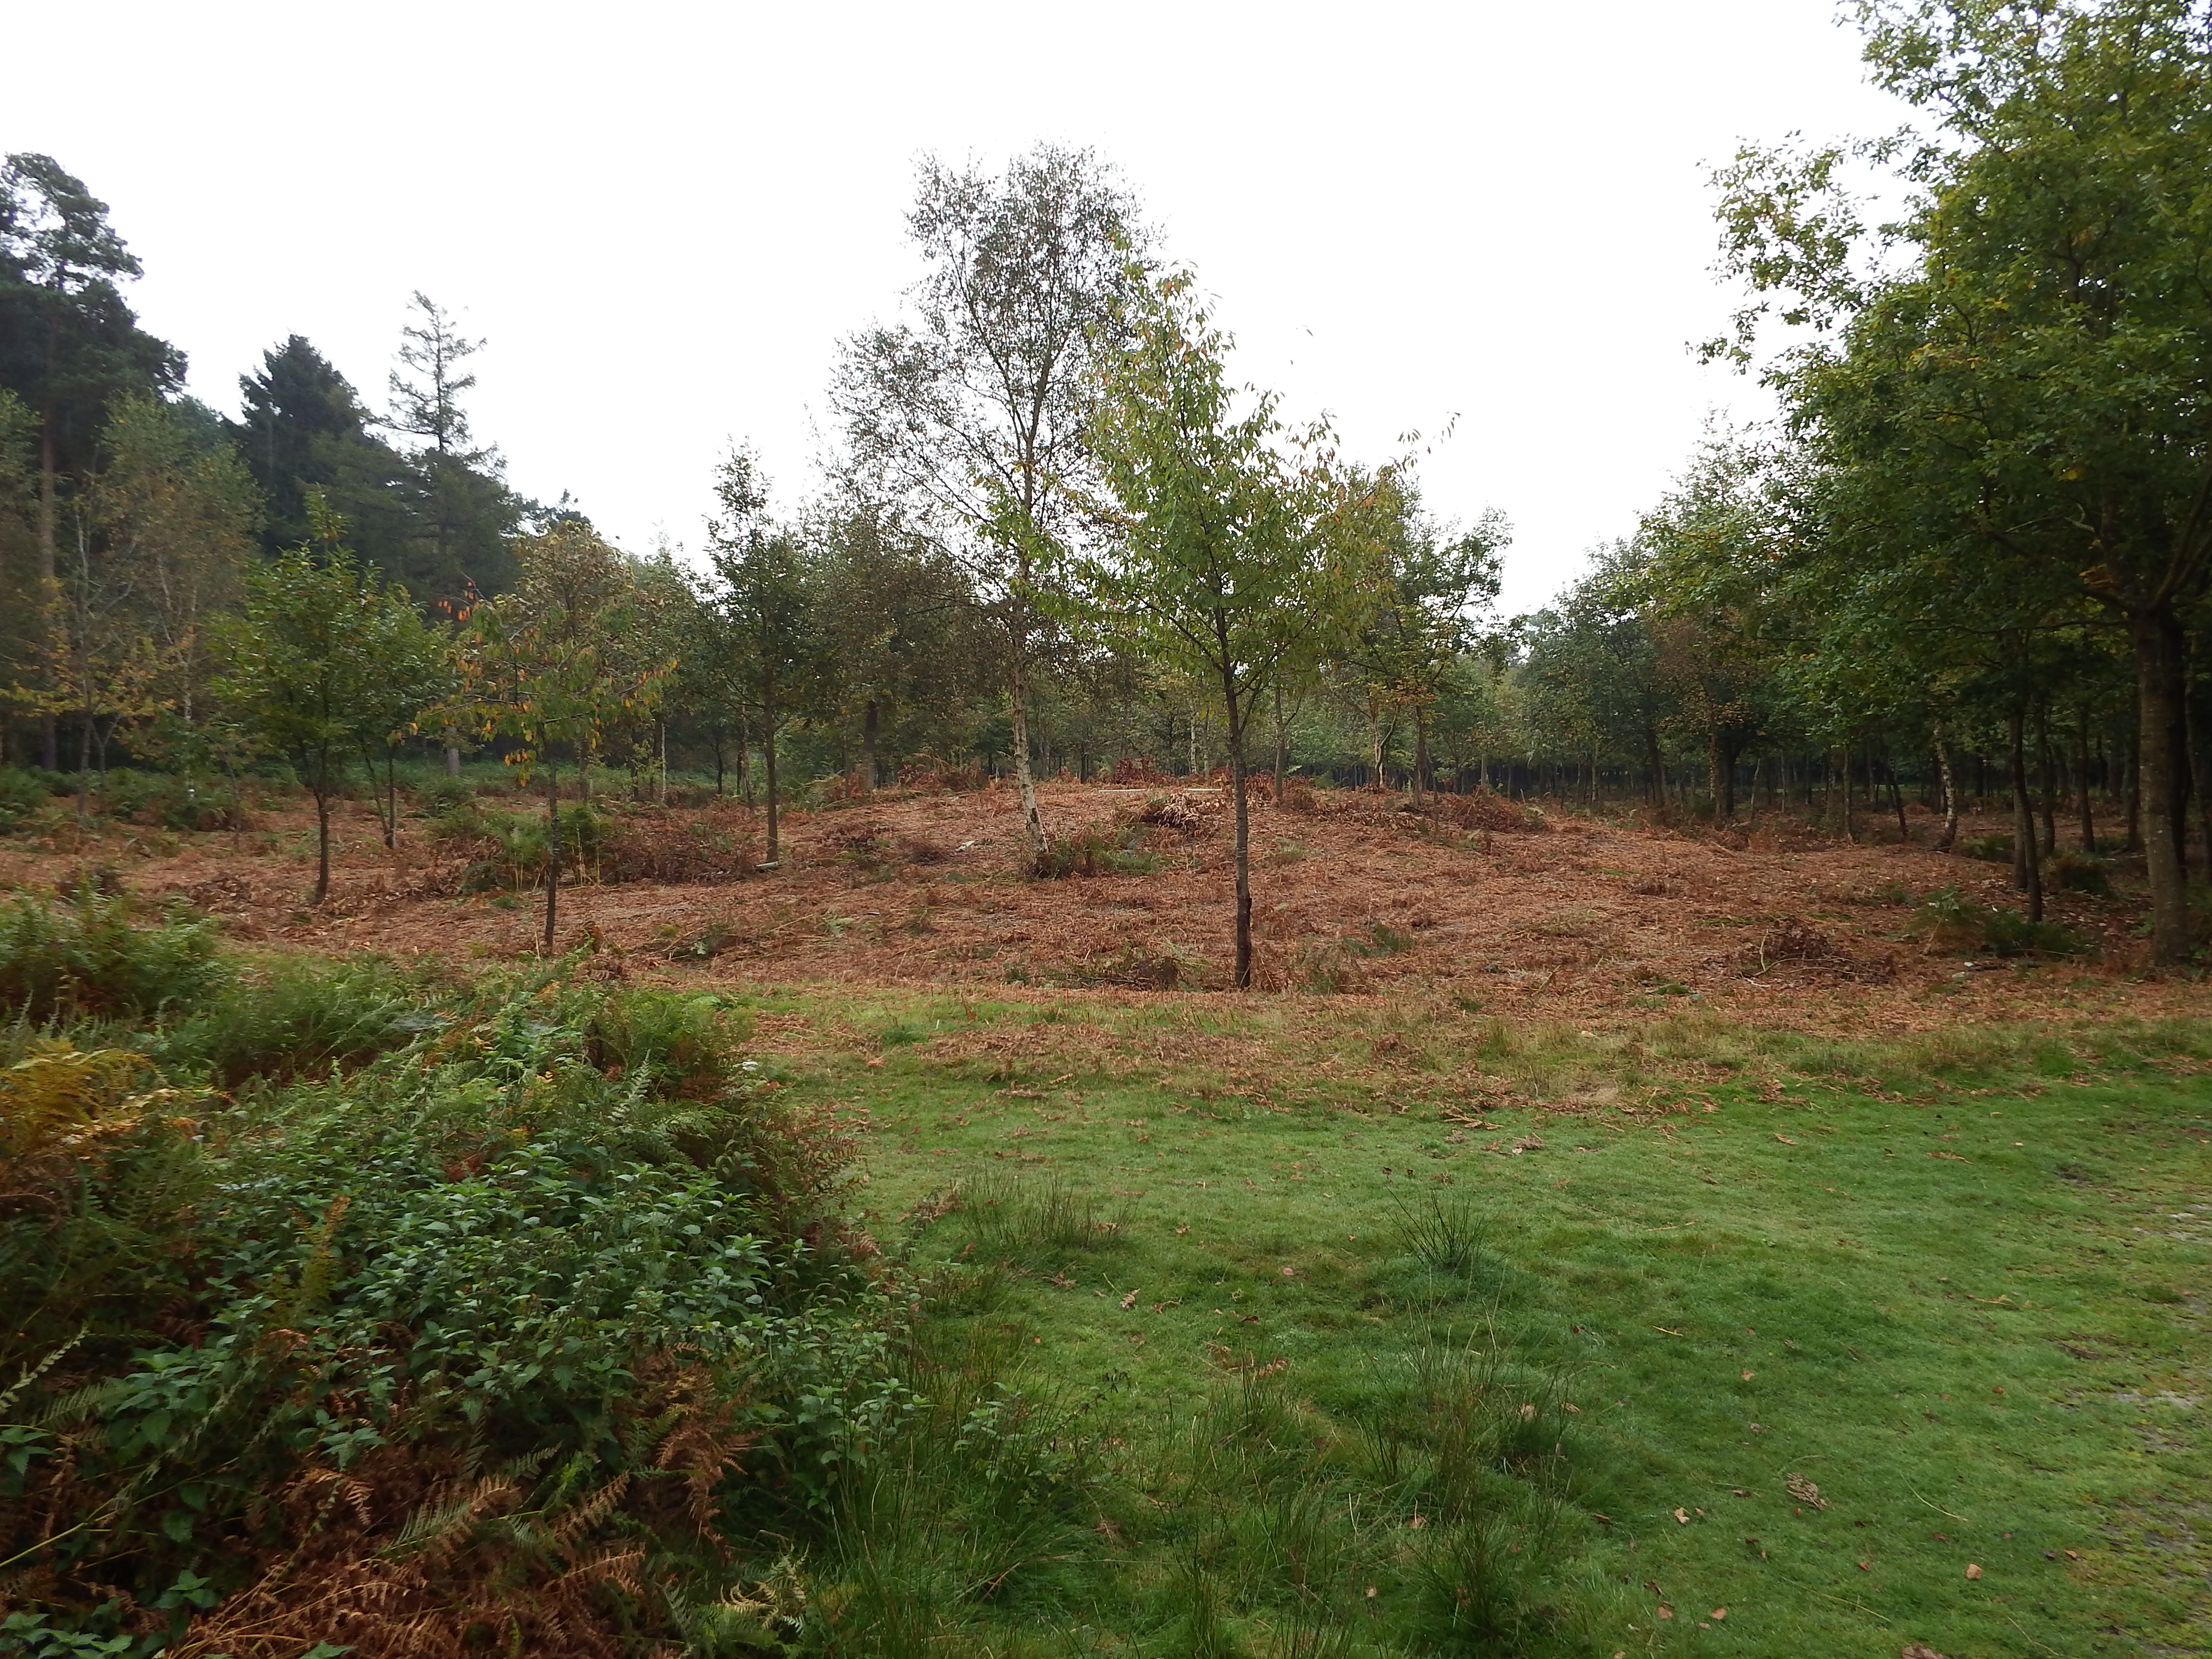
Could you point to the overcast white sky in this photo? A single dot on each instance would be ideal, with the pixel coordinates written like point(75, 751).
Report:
point(664, 215)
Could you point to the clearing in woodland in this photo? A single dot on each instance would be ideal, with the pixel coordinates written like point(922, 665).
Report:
point(1599, 1238)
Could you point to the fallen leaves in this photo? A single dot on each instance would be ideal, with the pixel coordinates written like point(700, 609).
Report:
point(1681, 1517)
point(1130, 1300)
point(1974, 1571)
point(1803, 1490)
point(1917, 1650)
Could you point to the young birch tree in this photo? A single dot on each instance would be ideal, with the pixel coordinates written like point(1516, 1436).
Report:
point(976, 414)
point(1222, 564)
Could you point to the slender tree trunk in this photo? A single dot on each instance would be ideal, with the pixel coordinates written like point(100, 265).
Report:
point(50, 753)
point(1950, 835)
point(1282, 743)
point(1421, 754)
point(322, 843)
point(2027, 864)
point(1032, 819)
point(2082, 779)
point(552, 845)
point(2156, 639)
point(1896, 801)
point(663, 726)
point(768, 769)
point(2047, 776)
point(2198, 781)
point(452, 760)
point(719, 769)
point(1229, 701)
point(868, 747)
point(83, 759)
point(2131, 769)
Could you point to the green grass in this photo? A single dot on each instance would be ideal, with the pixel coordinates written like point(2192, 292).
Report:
point(1958, 1284)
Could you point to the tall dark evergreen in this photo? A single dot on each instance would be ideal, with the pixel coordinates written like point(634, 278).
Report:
point(467, 512)
point(436, 521)
point(70, 345)
point(303, 430)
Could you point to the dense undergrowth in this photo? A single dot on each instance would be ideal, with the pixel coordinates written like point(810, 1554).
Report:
point(409, 1317)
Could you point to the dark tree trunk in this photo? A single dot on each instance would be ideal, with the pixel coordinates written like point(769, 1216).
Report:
point(2156, 640)
point(868, 746)
point(2027, 866)
point(1282, 743)
point(768, 766)
point(322, 845)
point(2048, 775)
point(552, 847)
point(50, 737)
point(2081, 781)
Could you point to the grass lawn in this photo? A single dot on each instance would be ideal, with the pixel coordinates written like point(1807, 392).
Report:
point(1371, 1330)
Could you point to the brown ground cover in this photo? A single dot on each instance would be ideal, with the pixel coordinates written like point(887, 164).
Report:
point(1518, 916)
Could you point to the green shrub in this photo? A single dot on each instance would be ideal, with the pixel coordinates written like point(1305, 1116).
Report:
point(444, 794)
point(300, 1019)
point(1094, 853)
point(1949, 921)
point(685, 1045)
point(83, 957)
point(2079, 873)
point(511, 847)
point(477, 1265)
point(1991, 849)
point(22, 794)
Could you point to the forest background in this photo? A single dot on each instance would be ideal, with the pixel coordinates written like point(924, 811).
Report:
point(1969, 559)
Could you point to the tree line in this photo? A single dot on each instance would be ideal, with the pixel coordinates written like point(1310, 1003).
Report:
point(1057, 535)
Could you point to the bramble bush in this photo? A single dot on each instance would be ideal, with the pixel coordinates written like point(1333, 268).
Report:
point(346, 1308)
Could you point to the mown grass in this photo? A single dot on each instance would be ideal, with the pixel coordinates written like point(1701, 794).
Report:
point(1956, 1283)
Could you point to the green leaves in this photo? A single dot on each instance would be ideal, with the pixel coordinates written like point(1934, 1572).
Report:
point(548, 662)
point(327, 659)
point(1223, 561)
